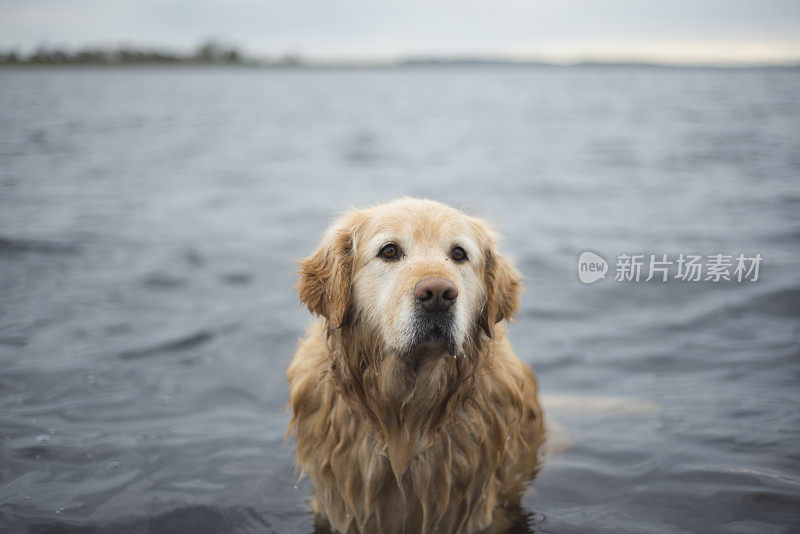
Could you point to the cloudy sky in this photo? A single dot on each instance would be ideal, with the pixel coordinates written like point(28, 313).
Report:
point(694, 31)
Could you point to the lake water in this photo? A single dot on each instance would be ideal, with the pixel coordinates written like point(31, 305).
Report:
point(150, 217)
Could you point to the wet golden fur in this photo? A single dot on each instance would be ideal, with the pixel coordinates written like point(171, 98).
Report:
point(398, 439)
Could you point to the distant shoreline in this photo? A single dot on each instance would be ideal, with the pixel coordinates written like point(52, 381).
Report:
point(212, 52)
point(377, 65)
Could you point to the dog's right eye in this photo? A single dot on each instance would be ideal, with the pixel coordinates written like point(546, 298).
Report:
point(389, 252)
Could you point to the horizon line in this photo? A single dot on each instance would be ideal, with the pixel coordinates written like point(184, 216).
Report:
point(310, 62)
point(214, 49)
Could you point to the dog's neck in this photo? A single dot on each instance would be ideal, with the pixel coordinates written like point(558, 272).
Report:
point(409, 398)
point(425, 358)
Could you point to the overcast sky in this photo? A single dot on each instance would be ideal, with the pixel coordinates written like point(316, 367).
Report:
point(697, 31)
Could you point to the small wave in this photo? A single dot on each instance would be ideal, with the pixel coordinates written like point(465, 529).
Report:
point(164, 280)
point(236, 278)
point(784, 302)
point(14, 341)
point(10, 245)
point(187, 342)
point(188, 519)
point(599, 405)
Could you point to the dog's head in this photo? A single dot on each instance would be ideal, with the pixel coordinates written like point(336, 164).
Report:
point(416, 275)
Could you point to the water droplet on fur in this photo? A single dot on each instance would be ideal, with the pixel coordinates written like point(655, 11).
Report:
point(295, 487)
point(114, 465)
point(44, 438)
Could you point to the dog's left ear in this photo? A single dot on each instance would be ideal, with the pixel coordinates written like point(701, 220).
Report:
point(325, 276)
point(503, 285)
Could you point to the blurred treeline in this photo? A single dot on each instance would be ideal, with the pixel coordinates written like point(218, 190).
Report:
point(207, 52)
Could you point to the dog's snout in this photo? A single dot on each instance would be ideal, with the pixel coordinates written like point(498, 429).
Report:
point(435, 293)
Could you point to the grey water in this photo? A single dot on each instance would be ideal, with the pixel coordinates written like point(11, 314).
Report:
point(150, 219)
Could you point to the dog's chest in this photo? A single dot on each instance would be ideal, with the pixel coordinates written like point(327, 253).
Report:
point(440, 479)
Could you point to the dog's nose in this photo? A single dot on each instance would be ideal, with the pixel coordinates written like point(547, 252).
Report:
point(435, 293)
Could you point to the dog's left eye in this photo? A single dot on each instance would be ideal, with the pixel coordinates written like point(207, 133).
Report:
point(458, 254)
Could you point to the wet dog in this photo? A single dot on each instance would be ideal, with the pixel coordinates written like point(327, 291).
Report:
point(410, 409)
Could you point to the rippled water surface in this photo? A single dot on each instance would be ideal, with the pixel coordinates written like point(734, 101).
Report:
point(149, 219)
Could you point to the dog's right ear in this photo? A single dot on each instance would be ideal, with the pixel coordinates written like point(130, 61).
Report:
point(325, 276)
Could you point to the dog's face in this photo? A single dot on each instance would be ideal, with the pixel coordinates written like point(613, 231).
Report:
point(415, 274)
point(417, 277)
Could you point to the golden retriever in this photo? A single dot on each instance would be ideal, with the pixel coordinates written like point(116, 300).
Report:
point(411, 411)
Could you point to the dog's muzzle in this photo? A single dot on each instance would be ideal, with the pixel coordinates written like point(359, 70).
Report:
point(434, 317)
